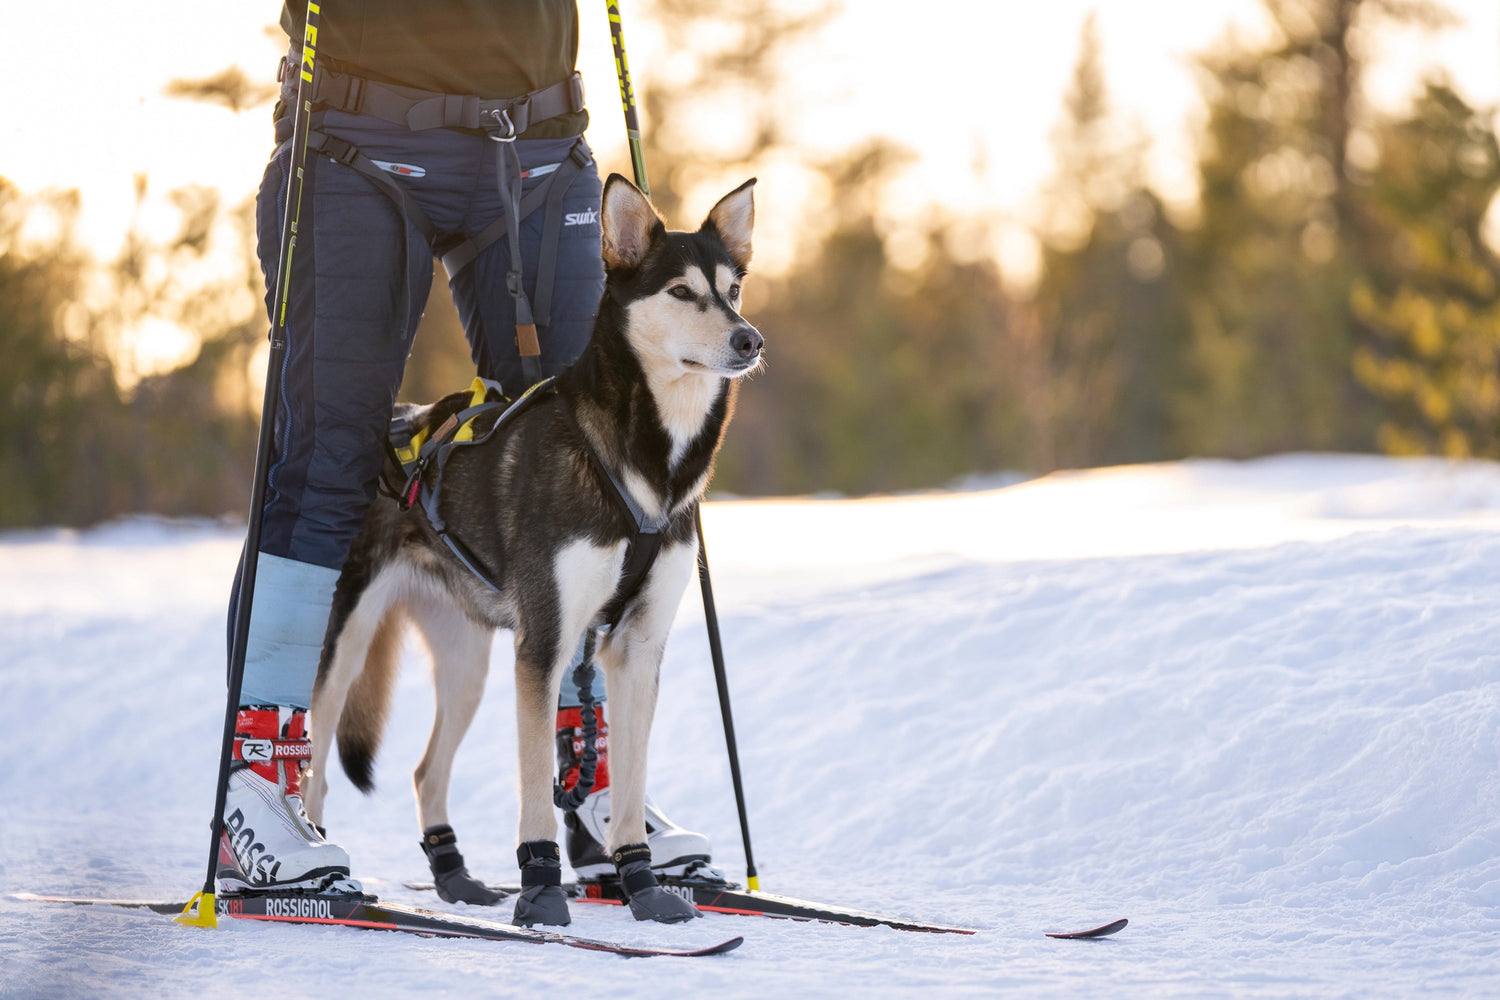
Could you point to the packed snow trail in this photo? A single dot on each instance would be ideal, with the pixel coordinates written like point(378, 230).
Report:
point(1253, 707)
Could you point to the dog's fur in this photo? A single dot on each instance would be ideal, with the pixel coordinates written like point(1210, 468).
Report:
point(653, 393)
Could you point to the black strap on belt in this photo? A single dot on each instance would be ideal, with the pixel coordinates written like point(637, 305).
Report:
point(508, 180)
point(463, 254)
point(419, 110)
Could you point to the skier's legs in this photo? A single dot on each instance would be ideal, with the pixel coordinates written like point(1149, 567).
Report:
point(358, 282)
point(352, 272)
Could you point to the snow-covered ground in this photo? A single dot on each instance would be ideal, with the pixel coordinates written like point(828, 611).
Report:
point(1254, 707)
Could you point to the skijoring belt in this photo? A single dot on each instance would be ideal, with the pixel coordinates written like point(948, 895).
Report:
point(419, 110)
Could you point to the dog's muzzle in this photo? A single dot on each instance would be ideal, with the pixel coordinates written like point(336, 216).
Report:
point(746, 342)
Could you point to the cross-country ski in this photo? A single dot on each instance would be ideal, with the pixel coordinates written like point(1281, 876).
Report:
point(372, 914)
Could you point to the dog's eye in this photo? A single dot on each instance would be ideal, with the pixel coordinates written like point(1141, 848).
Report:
point(734, 292)
point(682, 292)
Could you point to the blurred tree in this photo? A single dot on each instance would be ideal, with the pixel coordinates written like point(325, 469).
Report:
point(58, 398)
point(876, 378)
point(716, 105)
point(1431, 291)
point(1272, 331)
point(1108, 320)
point(229, 87)
point(83, 439)
point(1285, 230)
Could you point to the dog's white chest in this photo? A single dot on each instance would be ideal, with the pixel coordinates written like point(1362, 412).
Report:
point(587, 574)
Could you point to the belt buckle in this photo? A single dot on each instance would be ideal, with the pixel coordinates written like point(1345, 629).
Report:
point(504, 130)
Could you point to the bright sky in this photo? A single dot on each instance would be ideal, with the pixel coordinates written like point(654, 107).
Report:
point(973, 87)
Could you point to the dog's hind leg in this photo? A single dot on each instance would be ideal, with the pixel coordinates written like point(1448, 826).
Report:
point(460, 662)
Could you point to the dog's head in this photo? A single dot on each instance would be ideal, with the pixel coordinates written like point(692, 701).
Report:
point(681, 291)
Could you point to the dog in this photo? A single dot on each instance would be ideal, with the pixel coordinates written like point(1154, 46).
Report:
point(651, 397)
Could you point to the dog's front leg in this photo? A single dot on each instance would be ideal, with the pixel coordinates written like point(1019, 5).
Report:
point(538, 671)
point(631, 658)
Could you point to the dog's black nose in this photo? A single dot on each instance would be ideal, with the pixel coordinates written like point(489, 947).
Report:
point(746, 341)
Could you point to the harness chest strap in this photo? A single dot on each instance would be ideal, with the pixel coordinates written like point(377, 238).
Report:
point(643, 546)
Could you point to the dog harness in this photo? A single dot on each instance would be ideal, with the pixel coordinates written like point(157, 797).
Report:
point(500, 120)
point(414, 475)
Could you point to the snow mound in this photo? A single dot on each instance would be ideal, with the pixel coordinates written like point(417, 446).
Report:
point(1255, 707)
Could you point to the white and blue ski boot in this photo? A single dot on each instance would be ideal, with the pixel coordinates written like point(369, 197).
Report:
point(269, 844)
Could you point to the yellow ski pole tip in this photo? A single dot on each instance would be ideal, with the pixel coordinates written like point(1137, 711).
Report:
point(199, 912)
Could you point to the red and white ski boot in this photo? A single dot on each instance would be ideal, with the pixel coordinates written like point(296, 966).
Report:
point(268, 843)
point(675, 852)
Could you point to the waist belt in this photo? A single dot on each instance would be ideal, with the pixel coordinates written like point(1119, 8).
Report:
point(424, 109)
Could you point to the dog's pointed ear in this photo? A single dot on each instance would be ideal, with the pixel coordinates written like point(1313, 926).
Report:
point(627, 222)
point(733, 217)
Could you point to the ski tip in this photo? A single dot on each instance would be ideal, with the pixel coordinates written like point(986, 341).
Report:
point(1106, 930)
point(721, 948)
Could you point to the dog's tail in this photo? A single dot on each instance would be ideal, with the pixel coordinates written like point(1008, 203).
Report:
point(362, 722)
point(360, 657)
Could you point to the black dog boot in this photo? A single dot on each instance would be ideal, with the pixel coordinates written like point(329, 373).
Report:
point(649, 901)
point(542, 900)
point(454, 883)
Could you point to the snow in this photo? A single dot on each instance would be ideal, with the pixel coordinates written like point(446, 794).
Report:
point(1254, 707)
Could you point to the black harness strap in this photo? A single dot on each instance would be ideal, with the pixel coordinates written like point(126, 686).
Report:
point(508, 180)
point(350, 156)
point(463, 254)
point(500, 120)
point(645, 542)
point(411, 213)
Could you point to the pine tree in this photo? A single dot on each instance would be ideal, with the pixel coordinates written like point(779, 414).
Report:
point(1273, 332)
point(1432, 291)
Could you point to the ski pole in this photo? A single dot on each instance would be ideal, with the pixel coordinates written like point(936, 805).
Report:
point(710, 615)
point(201, 909)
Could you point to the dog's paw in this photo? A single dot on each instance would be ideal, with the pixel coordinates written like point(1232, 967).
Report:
point(461, 887)
point(656, 903)
point(541, 904)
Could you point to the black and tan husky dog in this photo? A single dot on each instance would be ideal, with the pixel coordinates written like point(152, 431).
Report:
point(650, 397)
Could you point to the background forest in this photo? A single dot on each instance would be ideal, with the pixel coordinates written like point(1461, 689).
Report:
point(1331, 289)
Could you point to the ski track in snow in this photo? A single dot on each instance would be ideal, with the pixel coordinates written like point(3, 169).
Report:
point(1255, 707)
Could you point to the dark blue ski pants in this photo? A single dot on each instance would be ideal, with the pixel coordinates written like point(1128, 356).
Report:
point(361, 274)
